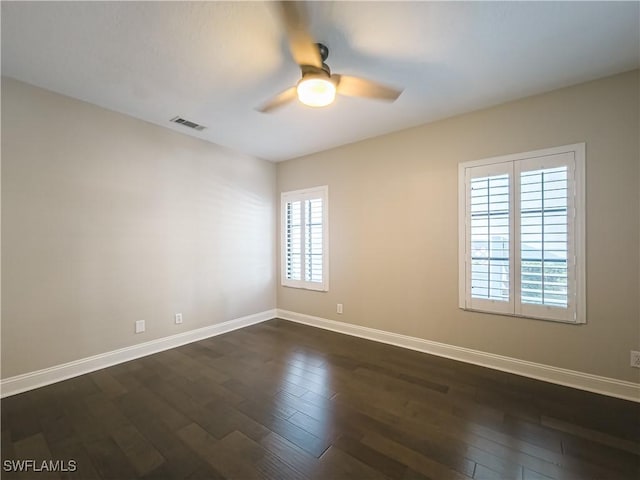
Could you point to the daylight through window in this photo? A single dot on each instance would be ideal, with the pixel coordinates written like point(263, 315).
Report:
point(305, 239)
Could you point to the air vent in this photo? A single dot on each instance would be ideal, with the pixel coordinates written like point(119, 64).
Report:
point(188, 123)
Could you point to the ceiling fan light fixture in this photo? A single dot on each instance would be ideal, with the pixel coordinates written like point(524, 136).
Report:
point(316, 91)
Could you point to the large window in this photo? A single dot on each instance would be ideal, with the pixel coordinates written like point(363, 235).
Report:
point(521, 236)
point(304, 240)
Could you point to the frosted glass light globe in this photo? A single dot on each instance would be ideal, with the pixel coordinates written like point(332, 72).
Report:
point(316, 91)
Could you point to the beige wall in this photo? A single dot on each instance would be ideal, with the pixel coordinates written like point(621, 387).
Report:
point(107, 220)
point(394, 226)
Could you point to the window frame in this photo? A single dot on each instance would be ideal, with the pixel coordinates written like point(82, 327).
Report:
point(576, 210)
point(321, 192)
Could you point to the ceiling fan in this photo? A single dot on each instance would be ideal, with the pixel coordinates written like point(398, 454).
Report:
point(318, 87)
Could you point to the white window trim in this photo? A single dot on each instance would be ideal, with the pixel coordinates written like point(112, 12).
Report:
point(578, 245)
point(302, 195)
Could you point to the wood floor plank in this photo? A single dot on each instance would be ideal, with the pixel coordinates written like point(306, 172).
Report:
point(56, 428)
point(35, 448)
point(532, 433)
point(72, 449)
point(108, 460)
point(594, 435)
point(180, 461)
point(495, 441)
point(203, 444)
point(107, 383)
point(291, 454)
point(142, 402)
point(594, 453)
point(268, 465)
point(296, 435)
point(141, 453)
point(84, 426)
point(528, 474)
point(20, 419)
point(8, 454)
point(326, 428)
point(415, 460)
point(432, 444)
point(229, 456)
point(484, 473)
point(291, 404)
point(137, 449)
point(126, 378)
point(337, 464)
point(280, 409)
point(380, 462)
point(229, 419)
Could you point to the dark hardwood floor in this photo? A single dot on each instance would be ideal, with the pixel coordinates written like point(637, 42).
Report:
point(280, 400)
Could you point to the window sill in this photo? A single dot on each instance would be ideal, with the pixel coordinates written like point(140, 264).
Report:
point(526, 317)
point(310, 287)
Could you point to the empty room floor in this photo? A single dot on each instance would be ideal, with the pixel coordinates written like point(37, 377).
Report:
point(286, 401)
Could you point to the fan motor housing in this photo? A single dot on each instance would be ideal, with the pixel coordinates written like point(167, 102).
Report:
point(324, 54)
point(324, 51)
point(310, 69)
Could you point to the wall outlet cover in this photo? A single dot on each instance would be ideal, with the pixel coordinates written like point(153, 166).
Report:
point(635, 359)
point(140, 326)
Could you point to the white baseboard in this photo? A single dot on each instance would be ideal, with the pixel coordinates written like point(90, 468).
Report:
point(570, 378)
point(29, 381)
point(561, 376)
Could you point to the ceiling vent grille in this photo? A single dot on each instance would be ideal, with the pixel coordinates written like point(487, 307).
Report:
point(188, 123)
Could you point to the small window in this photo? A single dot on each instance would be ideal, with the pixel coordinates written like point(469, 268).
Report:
point(521, 234)
point(305, 239)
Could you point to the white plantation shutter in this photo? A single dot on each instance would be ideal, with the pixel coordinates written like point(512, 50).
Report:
point(522, 234)
point(546, 256)
point(305, 239)
point(489, 282)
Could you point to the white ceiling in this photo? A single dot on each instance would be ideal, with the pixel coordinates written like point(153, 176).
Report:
point(214, 62)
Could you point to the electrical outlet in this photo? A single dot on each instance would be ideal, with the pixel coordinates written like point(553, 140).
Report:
point(339, 308)
point(635, 359)
point(178, 317)
point(140, 327)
